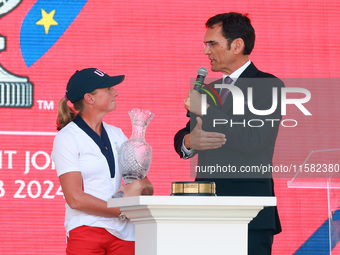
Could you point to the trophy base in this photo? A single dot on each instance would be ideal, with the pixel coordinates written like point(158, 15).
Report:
point(193, 189)
point(128, 179)
point(117, 195)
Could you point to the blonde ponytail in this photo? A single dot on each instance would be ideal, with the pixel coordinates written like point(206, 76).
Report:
point(65, 114)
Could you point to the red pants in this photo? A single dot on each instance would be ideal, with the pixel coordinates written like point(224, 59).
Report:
point(86, 240)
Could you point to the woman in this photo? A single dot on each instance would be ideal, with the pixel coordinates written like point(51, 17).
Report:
point(85, 156)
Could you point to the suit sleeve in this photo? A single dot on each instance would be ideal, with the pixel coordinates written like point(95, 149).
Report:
point(178, 139)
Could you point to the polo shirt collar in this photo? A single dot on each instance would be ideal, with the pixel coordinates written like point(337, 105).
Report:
point(103, 142)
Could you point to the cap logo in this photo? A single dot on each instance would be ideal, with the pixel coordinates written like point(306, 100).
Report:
point(99, 73)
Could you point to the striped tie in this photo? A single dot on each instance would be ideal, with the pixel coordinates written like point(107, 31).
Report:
point(224, 91)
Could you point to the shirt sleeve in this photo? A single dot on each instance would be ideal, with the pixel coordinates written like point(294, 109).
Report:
point(187, 153)
point(65, 153)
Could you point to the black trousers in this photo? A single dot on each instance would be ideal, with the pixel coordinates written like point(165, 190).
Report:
point(260, 241)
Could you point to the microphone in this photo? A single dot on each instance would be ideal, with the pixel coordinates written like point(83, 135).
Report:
point(201, 73)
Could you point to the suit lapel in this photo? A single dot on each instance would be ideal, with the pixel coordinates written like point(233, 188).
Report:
point(245, 78)
point(243, 83)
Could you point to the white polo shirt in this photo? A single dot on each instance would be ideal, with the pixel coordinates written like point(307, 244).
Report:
point(74, 150)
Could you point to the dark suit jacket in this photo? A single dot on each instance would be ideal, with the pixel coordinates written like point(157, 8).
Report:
point(246, 146)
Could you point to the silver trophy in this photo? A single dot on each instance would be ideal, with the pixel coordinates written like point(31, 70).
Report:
point(15, 91)
point(134, 157)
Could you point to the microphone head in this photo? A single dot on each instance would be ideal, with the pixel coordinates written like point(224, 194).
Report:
point(202, 71)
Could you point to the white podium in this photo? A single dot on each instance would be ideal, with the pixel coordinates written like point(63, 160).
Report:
point(191, 225)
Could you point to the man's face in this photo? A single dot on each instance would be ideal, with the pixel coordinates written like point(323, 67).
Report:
point(217, 49)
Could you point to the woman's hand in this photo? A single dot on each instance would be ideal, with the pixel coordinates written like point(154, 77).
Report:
point(137, 188)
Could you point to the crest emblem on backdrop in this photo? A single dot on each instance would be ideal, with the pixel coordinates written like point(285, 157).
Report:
point(43, 25)
point(15, 91)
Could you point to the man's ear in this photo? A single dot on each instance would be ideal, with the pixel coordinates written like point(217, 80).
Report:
point(237, 46)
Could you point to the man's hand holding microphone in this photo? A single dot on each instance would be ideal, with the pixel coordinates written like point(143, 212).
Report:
point(199, 139)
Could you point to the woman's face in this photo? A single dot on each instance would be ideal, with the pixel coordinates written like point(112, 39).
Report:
point(105, 99)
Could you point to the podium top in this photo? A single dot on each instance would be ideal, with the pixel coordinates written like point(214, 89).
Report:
point(322, 175)
point(191, 201)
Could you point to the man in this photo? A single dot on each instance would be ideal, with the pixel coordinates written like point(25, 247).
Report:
point(241, 142)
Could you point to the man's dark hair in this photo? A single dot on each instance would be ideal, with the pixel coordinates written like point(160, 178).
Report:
point(235, 25)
